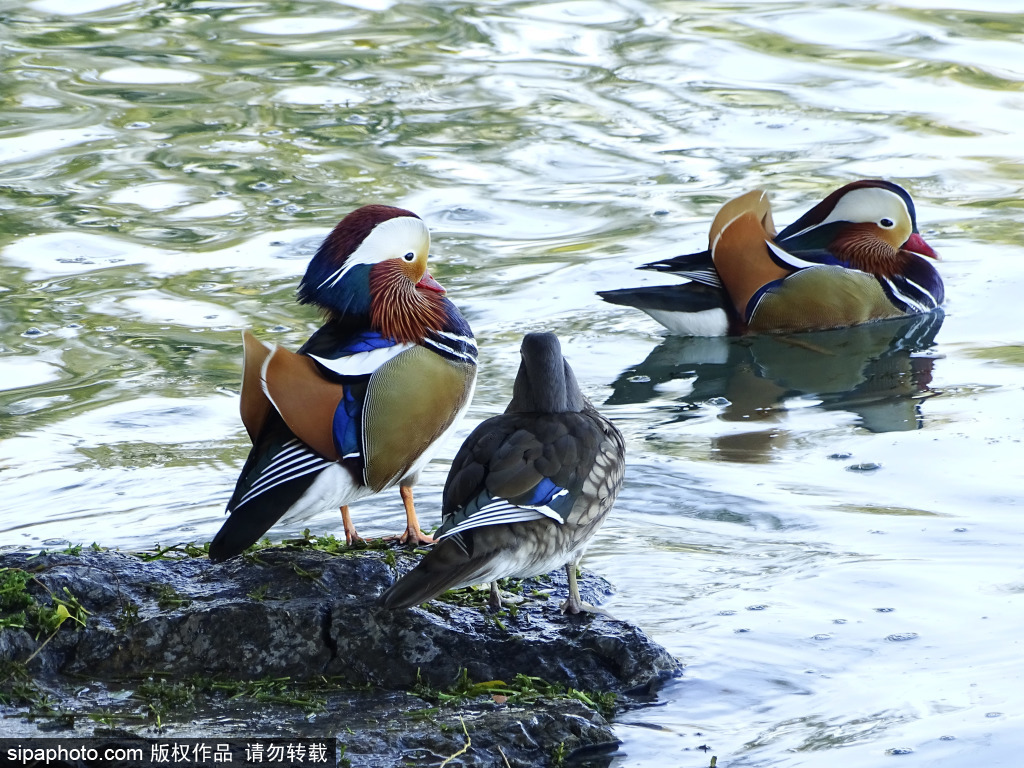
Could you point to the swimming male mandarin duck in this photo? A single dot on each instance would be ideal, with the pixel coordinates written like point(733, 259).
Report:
point(527, 490)
point(853, 258)
point(366, 401)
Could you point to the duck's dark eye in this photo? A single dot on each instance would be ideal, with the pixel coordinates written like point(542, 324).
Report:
point(410, 256)
point(887, 223)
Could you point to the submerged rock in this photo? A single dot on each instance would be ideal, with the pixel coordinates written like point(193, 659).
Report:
point(520, 680)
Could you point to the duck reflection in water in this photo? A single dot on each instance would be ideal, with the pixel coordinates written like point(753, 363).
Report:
point(879, 371)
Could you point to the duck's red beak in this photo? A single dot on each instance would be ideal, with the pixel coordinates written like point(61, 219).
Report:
point(430, 284)
point(917, 244)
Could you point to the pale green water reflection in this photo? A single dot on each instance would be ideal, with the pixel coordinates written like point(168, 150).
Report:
point(166, 169)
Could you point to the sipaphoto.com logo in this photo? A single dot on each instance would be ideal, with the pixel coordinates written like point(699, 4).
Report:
point(52, 755)
point(141, 752)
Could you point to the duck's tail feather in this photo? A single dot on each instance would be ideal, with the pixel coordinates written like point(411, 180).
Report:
point(686, 297)
point(446, 566)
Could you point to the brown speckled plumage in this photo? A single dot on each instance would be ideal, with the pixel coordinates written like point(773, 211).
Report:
point(551, 449)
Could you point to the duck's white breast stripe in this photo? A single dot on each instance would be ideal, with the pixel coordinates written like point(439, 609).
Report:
point(924, 291)
point(468, 354)
point(908, 300)
point(469, 341)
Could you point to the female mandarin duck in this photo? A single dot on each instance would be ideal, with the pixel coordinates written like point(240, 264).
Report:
point(368, 398)
point(527, 490)
point(853, 258)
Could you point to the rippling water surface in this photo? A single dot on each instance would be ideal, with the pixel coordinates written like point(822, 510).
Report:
point(825, 530)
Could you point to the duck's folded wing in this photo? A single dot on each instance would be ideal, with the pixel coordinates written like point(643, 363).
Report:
point(509, 473)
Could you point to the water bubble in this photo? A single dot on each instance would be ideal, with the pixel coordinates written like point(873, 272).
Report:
point(756, 607)
point(137, 125)
point(839, 456)
point(260, 185)
point(901, 637)
point(884, 610)
point(959, 530)
point(822, 636)
point(947, 738)
point(987, 714)
point(292, 208)
point(276, 201)
point(727, 613)
point(865, 466)
point(838, 621)
point(899, 751)
point(639, 379)
point(719, 401)
point(30, 332)
point(741, 630)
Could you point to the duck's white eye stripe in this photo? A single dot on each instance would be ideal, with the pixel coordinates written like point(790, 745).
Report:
point(404, 231)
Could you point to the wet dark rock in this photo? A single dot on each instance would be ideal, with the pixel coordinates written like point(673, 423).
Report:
point(308, 615)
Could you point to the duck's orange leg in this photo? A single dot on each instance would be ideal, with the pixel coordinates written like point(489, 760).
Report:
point(413, 534)
point(351, 537)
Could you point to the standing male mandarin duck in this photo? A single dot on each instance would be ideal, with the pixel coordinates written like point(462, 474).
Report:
point(853, 258)
point(368, 398)
point(527, 490)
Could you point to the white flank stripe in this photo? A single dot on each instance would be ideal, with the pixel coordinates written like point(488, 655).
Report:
point(362, 363)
